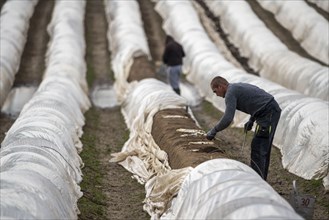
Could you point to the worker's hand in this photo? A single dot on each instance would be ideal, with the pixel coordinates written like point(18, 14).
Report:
point(248, 125)
point(211, 134)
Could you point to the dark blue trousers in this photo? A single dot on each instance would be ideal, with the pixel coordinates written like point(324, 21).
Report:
point(261, 144)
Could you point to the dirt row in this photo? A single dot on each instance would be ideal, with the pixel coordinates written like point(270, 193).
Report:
point(230, 141)
point(109, 191)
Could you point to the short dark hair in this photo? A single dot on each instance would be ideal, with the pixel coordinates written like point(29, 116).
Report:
point(218, 80)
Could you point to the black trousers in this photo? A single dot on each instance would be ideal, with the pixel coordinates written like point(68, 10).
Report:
point(261, 144)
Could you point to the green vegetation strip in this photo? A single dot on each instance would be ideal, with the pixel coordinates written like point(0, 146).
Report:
point(93, 201)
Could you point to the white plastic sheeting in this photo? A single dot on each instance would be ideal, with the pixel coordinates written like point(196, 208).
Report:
point(14, 25)
point(140, 154)
point(267, 54)
point(190, 93)
point(104, 96)
point(126, 38)
point(306, 25)
point(302, 133)
point(40, 165)
point(227, 189)
point(16, 99)
point(65, 55)
point(321, 4)
point(140, 101)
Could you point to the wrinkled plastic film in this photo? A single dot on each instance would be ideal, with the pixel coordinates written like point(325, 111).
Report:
point(204, 62)
point(40, 164)
point(126, 38)
point(227, 189)
point(14, 22)
point(267, 54)
point(304, 23)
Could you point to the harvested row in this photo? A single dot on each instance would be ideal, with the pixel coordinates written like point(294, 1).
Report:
point(159, 120)
point(141, 153)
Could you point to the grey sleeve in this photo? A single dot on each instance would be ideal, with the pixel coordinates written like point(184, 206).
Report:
point(229, 113)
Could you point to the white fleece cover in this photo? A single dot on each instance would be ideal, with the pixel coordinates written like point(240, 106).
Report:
point(227, 189)
point(306, 25)
point(126, 38)
point(40, 164)
point(267, 54)
point(16, 99)
point(14, 23)
point(140, 101)
point(140, 154)
point(302, 132)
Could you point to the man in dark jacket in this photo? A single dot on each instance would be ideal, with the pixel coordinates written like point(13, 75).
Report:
point(263, 109)
point(173, 58)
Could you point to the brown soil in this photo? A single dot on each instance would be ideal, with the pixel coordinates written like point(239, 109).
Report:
point(181, 150)
point(109, 191)
point(32, 65)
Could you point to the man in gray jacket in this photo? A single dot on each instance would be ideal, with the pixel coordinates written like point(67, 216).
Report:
point(262, 108)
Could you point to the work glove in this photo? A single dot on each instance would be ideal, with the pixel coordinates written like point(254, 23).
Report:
point(211, 134)
point(248, 125)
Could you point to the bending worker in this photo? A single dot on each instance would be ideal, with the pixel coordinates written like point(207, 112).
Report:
point(173, 58)
point(262, 108)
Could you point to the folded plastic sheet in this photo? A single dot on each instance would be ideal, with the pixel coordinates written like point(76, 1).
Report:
point(14, 23)
point(144, 99)
point(306, 25)
point(267, 54)
point(305, 153)
point(140, 101)
point(126, 38)
point(227, 189)
point(140, 154)
point(161, 189)
point(40, 164)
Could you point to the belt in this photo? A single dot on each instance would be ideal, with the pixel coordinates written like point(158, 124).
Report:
point(268, 108)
